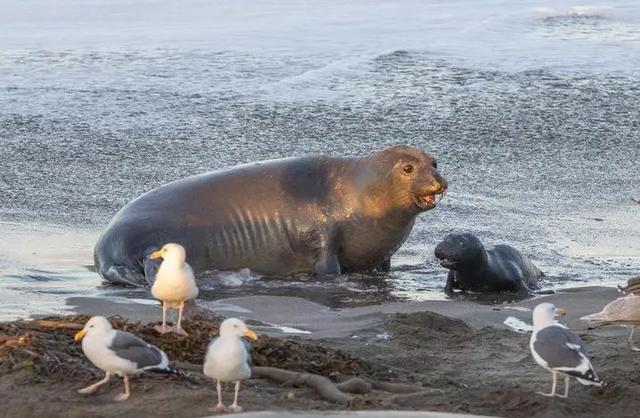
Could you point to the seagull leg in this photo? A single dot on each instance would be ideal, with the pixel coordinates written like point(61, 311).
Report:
point(124, 396)
point(632, 347)
point(220, 406)
point(95, 386)
point(235, 407)
point(566, 387)
point(179, 329)
point(553, 386)
point(164, 328)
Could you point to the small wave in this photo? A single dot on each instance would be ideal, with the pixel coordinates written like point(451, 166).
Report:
point(575, 11)
point(215, 278)
point(317, 83)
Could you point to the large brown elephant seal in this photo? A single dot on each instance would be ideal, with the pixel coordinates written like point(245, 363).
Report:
point(318, 215)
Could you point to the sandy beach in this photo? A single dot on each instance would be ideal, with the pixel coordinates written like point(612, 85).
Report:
point(531, 109)
point(458, 355)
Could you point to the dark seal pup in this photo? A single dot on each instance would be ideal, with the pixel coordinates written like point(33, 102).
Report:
point(471, 267)
point(313, 215)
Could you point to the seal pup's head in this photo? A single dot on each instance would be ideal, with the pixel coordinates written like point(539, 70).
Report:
point(403, 177)
point(460, 251)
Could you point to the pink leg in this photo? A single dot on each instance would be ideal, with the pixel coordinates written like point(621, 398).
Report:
point(124, 396)
point(179, 329)
point(164, 328)
point(95, 386)
point(553, 386)
point(235, 407)
point(220, 406)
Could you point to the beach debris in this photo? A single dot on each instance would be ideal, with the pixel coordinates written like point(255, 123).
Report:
point(354, 385)
point(559, 350)
point(174, 284)
point(322, 385)
point(517, 325)
point(342, 393)
point(622, 311)
point(339, 393)
point(47, 350)
point(50, 346)
point(118, 352)
point(228, 359)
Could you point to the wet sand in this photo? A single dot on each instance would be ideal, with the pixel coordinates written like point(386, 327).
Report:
point(458, 351)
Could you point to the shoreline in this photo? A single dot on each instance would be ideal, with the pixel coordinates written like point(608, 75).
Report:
point(314, 320)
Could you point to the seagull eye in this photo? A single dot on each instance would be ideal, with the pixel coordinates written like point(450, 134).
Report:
point(408, 168)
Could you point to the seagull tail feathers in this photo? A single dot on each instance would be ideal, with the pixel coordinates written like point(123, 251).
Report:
point(176, 372)
point(588, 378)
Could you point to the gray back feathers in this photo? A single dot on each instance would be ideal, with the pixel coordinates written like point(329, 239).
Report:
point(559, 347)
point(132, 348)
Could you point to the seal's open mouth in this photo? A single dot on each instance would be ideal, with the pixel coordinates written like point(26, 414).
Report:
point(429, 201)
point(446, 263)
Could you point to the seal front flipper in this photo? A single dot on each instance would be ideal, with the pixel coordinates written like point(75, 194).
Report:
point(385, 266)
point(327, 264)
point(124, 275)
point(451, 284)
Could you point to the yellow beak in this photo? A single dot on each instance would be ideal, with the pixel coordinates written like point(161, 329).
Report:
point(560, 312)
point(250, 335)
point(157, 254)
point(80, 335)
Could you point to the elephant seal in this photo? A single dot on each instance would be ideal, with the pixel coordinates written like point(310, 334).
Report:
point(472, 267)
point(316, 215)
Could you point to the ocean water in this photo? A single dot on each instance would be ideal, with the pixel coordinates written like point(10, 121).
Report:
point(531, 107)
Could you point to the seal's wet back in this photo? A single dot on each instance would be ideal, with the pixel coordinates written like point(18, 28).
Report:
point(319, 215)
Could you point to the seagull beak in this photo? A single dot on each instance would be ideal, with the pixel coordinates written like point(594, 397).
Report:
point(80, 335)
point(560, 312)
point(157, 254)
point(250, 335)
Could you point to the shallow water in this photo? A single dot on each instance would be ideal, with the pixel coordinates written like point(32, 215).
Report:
point(532, 109)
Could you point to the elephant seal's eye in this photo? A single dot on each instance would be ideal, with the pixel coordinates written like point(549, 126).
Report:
point(408, 169)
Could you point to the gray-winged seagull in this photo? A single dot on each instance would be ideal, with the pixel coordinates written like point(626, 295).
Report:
point(559, 350)
point(118, 352)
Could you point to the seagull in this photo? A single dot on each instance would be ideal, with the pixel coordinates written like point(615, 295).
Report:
point(118, 352)
point(559, 350)
point(622, 311)
point(174, 283)
point(228, 359)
